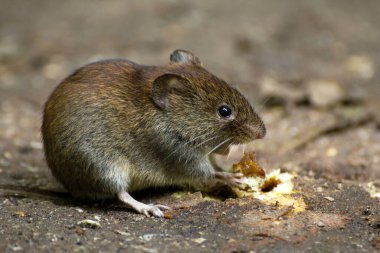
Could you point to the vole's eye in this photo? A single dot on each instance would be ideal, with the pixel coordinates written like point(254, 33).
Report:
point(225, 111)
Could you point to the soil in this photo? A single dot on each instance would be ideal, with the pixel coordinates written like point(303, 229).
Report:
point(311, 70)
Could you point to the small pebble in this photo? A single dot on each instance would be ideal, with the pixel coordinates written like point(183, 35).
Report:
point(360, 65)
point(89, 223)
point(324, 93)
point(52, 71)
point(122, 233)
point(329, 198)
point(15, 247)
point(320, 224)
point(331, 152)
point(199, 240)
point(20, 214)
point(7, 155)
point(147, 237)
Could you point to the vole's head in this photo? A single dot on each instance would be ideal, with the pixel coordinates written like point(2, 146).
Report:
point(203, 110)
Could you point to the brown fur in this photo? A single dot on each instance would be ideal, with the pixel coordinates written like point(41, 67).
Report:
point(116, 126)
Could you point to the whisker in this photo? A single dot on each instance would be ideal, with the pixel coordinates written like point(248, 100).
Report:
point(193, 148)
point(266, 100)
point(203, 142)
point(230, 151)
point(206, 132)
point(217, 146)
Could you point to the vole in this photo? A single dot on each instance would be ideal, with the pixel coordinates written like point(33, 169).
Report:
point(114, 126)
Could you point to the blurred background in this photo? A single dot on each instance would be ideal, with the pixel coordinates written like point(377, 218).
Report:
point(309, 67)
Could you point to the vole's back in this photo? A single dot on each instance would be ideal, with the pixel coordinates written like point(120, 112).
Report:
point(87, 122)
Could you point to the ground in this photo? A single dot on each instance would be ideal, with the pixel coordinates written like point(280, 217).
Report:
point(311, 70)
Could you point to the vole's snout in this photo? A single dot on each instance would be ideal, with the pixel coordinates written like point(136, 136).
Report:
point(262, 131)
point(257, 131)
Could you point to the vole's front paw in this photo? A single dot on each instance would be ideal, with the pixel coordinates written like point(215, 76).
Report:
point(233, 179)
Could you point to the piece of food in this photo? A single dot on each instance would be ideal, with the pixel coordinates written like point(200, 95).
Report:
point(275, 187)
point(256, 179)
point(249, 166)
point(270, 183)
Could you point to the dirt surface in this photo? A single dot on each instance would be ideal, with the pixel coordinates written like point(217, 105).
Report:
point(311, 68)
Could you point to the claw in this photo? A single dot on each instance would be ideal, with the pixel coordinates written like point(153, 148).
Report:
point(233, 179)
point(162, 207)
point(151, 210)
point(238, 175)
point(147, 210)
point(157, 213)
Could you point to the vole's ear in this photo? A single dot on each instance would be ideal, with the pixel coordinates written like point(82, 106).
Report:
point(184, 57)
point(164, 85)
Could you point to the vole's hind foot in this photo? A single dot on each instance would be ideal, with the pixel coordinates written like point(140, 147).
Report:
point(147, 210)
point(233, 179)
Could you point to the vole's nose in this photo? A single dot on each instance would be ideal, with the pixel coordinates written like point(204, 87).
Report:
point(257, 131)
point(261, 132)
